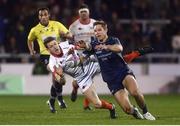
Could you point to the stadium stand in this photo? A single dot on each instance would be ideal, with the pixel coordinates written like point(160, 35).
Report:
point(137, 23)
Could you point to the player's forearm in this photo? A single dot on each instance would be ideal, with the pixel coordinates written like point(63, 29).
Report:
point(69, 36)
point(114, 48)
point(83, 45)
point(58, 70)
point(30, 46)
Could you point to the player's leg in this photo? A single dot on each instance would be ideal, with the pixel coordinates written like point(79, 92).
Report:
point(94, 71)
point(86, 104)
point(51, 101)
point(122, 99)
point(58, 89)
point(135, 54)
point(74, 91)
point(131, 56)
point(130, 84)
point(92, 96)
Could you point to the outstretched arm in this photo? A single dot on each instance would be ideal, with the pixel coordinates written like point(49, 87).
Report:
point(135, 54)
point(131, 56)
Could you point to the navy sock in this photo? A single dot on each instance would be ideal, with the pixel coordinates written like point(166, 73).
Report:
point(144, 109)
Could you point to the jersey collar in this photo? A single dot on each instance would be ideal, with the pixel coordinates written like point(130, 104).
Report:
point(84, 23)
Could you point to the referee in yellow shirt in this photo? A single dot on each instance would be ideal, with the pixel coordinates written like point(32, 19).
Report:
point(41, 31)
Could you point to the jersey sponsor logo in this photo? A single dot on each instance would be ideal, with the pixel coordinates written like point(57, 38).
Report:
point(79, 28)
point(52, 29)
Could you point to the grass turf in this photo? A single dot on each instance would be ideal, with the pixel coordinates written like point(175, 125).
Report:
point(30, 110)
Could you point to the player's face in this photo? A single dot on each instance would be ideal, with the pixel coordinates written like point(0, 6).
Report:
point(84, 14)
point(100, 32)
point(53, 47)
point(44, 17)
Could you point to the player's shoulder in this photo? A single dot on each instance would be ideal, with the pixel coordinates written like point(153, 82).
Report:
point(52, 22)
point(93, 20)
point(34, 28)
point(55, 23)
point(113, 39)
point(51, 59)
point(64, 44)
point(74, 24)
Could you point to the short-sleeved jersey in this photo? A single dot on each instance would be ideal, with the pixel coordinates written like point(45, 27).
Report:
point(82, 31)
point(40, 32)
point(111, 63)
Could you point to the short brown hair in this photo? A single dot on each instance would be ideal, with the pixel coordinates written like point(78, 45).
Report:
point(47, 40)
point(102, 23)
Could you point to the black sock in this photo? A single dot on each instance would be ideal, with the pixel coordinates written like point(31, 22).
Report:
point(58, 90)
point(144, 109)
point(133, 112)
point(60, 98)
point(52, 100)
point(53, 92)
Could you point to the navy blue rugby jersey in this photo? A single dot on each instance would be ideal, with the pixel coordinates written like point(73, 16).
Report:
point(111, 63)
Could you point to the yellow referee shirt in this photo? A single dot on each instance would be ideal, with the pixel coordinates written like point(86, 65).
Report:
point(40, 32)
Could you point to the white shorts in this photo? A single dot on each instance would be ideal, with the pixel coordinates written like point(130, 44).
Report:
point(85, 79)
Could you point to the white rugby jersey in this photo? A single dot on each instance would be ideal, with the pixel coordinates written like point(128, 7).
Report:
point(82, 31)
point(69, 63)
point(65, 60)
point(71, 66)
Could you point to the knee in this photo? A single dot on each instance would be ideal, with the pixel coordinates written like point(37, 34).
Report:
point(135, 93)
point(97, 104)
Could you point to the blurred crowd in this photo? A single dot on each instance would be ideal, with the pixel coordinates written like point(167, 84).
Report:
point(17, 17)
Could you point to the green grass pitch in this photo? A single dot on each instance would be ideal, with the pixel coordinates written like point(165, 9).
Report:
point(30, 110)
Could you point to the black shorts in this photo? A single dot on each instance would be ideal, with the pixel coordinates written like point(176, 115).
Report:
point(116, 85)
point(44, 59)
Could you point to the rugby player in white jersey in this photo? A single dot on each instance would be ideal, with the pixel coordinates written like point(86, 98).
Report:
point(81, 29)
point(64, 59)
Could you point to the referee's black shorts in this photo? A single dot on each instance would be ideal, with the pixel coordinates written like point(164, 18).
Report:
point(44, 59)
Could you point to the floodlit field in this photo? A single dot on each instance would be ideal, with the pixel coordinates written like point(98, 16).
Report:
point(19, 110)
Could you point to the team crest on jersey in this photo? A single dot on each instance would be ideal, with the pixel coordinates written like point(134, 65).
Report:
point(52, 29)
point(41, 32)
point(79, 28)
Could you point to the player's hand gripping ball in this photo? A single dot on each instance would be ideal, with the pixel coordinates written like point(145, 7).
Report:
point(59, 76)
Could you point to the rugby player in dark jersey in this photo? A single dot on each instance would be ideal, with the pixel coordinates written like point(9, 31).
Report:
point(115, 71)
